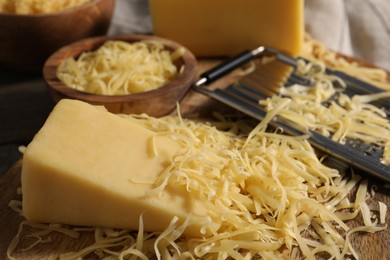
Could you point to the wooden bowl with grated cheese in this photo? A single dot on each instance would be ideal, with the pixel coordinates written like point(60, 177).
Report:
point(128, 74)
point(30, 31)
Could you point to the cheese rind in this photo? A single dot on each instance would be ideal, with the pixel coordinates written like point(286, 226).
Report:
point(89, 167)
point(226, 27)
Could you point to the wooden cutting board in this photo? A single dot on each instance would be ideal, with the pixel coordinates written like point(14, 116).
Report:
point(369, 246)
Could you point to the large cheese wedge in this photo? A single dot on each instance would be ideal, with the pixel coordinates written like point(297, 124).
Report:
point(226, 27)
point(89, 167)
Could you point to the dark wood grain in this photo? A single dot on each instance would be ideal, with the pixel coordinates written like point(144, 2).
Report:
point(26, 41)
point(24, 107)
point(9, 154)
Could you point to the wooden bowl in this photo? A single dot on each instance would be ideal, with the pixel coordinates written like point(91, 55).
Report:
point(26, 41)
point(157, 102)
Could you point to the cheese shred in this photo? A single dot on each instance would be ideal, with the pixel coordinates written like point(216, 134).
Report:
point(268, 196)
point(315, 50)
point(326, 108)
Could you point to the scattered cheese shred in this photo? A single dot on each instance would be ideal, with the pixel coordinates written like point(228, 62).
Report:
point(325, 107)
point(269, 196)
point(315, 50)
point(382, 212)
point(38, 6)
point(16, 205)
point(121, 68)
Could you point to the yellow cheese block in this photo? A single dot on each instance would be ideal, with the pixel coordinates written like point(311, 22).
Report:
point(89, 167)
point(226, 27)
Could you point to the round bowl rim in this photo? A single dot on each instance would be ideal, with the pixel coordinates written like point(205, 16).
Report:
point(61, 12)
point(185, 78)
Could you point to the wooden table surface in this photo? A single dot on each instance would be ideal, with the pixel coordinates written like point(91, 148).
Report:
point(24, 106)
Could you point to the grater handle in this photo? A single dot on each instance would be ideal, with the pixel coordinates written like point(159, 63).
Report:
point(228, 66)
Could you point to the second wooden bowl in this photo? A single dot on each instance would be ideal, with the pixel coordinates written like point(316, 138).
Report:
point(157, 102)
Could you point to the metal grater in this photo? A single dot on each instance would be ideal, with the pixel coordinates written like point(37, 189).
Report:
point(245, 94)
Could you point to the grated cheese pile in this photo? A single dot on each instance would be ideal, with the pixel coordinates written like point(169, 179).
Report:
point(38, 6)
point(315, 50)
point(269, 195)
point(121, 68)
point(325, 107)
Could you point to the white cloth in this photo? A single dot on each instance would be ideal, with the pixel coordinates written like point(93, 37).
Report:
point(359, 28)
point(131, 16)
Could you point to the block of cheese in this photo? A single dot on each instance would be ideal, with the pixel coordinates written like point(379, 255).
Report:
point(226, 27)
point(89, 167)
